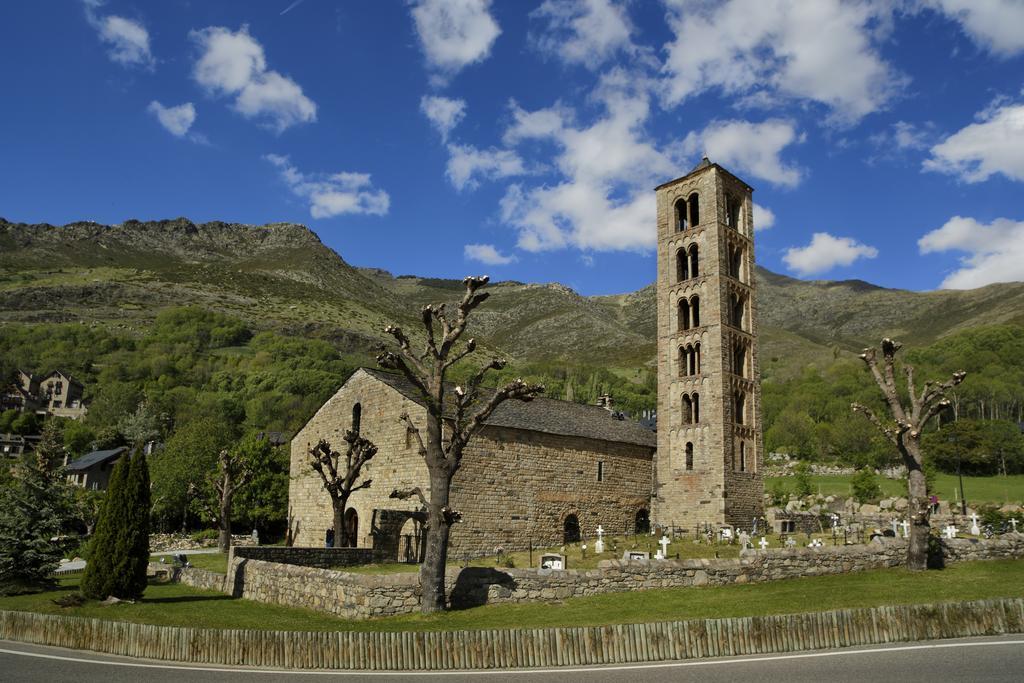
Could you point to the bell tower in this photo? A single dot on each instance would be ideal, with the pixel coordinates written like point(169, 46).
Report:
point(710, 447)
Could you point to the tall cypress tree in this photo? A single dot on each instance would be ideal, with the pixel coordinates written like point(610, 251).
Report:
point(135, 554)
point(97, 582)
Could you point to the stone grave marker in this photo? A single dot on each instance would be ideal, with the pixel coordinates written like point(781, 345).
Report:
point(552, 561)
point(663, 553)
point(636, 556)
point(599, 544)
point(975, 529)
point(744, 539)
point(950, 531)
point(763, 543)
point(906, 528)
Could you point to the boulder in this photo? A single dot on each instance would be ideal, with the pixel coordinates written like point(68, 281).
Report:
point(900, 504)
point(868, 509)
point(885, 503)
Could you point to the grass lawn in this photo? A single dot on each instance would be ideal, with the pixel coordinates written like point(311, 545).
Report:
point(999, 490)
point(178, 605)
point(215, 562)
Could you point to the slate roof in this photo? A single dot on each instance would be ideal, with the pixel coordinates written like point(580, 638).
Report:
point(546, 415)
point(94, 458)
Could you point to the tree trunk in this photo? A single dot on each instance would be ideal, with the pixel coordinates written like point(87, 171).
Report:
point(339, 525)
point(919, 511)
point(435, 558)
point(224, 536)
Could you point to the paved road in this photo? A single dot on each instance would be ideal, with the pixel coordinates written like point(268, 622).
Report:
point(967, 659)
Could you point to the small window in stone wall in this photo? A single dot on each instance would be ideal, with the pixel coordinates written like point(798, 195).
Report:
point(600, 470)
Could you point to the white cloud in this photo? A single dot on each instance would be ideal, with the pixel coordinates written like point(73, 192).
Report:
point(443, 112)
point(994, 25)
point(995, 144)
point(454, 33)
point(587, 32)
point(606, 171)
point(467, 164)
point(332, 194)
point(763, 49)
point(233, 63)
point(995, 252)
point(486, 253)
point(826, 252)
point(177, 120)
point(764, 217)
point(128, 39)
point(751, 148)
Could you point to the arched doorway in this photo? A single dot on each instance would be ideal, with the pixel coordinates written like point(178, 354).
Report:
point(571, 529)
point(642, 523)
point(412, 541)
point(351, 539)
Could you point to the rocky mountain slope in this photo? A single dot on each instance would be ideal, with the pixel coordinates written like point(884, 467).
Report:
point(281, 275)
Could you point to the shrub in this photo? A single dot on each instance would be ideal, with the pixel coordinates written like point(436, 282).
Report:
point(778, 492)
point(865, 485)
point(802, 480)
point(205, 535)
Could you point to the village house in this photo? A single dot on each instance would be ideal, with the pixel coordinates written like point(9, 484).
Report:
point(540, 473)
point(92, 471)
point(57, 394)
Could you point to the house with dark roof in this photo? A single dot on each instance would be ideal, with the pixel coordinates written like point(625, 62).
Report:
point(92, 470)
point(541, 472)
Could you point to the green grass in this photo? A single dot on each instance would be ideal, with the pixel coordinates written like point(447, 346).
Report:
point(215, 562)
point(998, 490)
point(178, 605)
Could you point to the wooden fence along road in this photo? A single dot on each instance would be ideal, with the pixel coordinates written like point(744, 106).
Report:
point(442, 650)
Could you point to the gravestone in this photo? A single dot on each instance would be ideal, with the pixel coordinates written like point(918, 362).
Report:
point(763, 543)
point(975, 529)
point(552, 561)
point(950, 531)
point(599, 544)
point(906, 528)
point(636, 556)
point(663, 553)
point(744, 538)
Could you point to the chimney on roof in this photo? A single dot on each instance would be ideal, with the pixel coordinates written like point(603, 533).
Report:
point(605, 401)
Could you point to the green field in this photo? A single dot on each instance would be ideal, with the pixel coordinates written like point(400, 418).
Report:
point(178, 605)
point(997, 490)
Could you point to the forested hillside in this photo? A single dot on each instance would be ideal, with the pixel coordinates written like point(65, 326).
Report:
point(216, 331)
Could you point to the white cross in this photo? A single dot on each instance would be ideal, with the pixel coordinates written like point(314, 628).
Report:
point(600, 532)
point(1013, 521)
point(664, 542)
point(763, 543)
point(974, 525)
point(950, 531)
point(895, 531)
point(906, 528)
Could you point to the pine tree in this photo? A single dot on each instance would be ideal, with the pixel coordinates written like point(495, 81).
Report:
point(35, 507)
point(132, 555)
point(99, 569)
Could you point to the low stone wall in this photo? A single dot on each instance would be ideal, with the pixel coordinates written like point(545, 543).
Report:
point(202, 578)
point(308, 557)
point(511, 648)
point(364, 595)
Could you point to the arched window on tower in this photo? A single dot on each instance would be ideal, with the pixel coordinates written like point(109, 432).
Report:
point(741, 408)
point(732, 212)
point(684, 364)
point(681, 217)
point(694, 202)
point(684, 315)
point(689, 455)
point(739, 311)
point(682, 266)
point(739, 358)
point(696, 359)
point(743, 456)
point(693, 261)
point(695, 311)
point(696, 408)
point(735, 262)
point(357, 415)
point(687, 410)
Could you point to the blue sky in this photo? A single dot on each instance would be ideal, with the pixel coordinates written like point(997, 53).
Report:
point(884, 140)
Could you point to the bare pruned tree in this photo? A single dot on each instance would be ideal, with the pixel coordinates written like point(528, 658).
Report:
point(465, 412)
point(233, 472)
point(339, 478)
point(904, 431)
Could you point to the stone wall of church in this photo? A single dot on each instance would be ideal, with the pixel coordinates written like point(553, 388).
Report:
point(515, 487)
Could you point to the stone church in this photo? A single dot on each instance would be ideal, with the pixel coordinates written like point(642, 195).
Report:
point(549, 471)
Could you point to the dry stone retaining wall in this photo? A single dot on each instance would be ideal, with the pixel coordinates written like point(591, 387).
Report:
point(364, 595)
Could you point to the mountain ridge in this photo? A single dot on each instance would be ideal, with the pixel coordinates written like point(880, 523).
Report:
point(282, 275)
